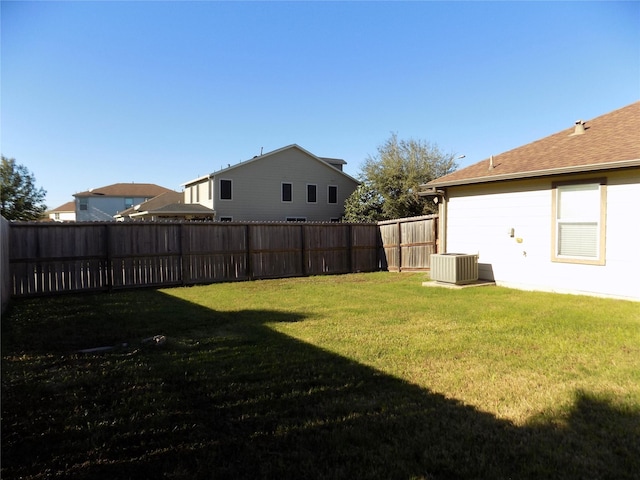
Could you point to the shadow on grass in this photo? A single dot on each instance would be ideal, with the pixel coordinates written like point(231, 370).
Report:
point(228, 397)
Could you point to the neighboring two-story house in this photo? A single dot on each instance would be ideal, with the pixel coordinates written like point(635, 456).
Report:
point(288, 184)
point(101, 204)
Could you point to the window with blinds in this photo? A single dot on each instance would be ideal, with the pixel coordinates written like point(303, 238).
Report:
point(579, 222)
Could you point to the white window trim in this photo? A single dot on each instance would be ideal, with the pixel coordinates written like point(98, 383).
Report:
point(282, 184)
point(220, 188)
point(600, 258)
point(312, 185)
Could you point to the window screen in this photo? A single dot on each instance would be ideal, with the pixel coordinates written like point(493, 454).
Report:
point(312, 193)
point(287, 192)
point(225, 190)
point(333, 194)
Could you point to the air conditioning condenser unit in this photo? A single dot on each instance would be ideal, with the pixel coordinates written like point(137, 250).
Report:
point(457, 268)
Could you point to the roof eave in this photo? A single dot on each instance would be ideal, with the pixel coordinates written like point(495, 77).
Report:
point(536, 173)
point(268, 154)
point(196, 180)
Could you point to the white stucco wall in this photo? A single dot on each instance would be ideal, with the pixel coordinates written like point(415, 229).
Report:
point(479, 220)
point(62, 216)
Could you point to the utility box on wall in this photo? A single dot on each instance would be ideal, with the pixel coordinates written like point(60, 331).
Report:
point(457, 268)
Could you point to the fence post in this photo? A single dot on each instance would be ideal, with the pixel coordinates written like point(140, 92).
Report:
point(350, 248)
point(109, 273)
point(399, 246)
point(6, 286)
point(183, 274)
point(302, 250)
point(249, 262)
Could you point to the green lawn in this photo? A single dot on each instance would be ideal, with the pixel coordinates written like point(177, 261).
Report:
point(364, 376)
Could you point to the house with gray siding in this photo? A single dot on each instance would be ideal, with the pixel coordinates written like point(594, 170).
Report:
point(288, 184)
point(101, 204)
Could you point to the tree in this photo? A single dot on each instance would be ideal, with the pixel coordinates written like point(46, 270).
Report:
point(20, 199)
point(398, 169)
point(363, 205)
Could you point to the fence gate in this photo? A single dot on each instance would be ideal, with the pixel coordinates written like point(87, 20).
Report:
point(409, 242)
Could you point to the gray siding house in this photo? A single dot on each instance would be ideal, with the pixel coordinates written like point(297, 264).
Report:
point(101, 204)
point(288, 184)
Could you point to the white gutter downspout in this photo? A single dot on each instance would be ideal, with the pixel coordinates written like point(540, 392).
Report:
point(442, 227)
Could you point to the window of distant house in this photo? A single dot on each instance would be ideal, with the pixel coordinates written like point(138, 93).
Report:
point(128, 202)
point(287, 192)
point(579, 213)
point(56, 216)
point(226, 219)
point(225, 190)
point(296, 219)
point(333, 194)
point(83, 204)
point(210, 186)
point(196, 187)
point(312, 193)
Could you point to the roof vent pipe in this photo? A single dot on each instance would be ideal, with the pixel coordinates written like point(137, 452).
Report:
point(579, 129)
point(491, 162)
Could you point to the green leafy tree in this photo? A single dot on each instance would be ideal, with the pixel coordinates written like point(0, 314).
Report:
point(20, 199)
point(363, 205)
point(399, 168)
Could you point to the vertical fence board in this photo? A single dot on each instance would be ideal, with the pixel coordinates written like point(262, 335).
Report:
point(390, 245)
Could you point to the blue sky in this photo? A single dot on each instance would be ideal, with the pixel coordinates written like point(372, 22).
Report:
point(95, 93)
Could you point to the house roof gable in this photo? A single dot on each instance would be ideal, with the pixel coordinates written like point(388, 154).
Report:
point(158, 201)
point(168, 203)
point(138, 190)
point(609, 141)
point(65, 207)
point(272, 153)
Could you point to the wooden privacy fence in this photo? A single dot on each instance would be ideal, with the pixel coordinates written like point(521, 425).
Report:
point(50, 258)
point(409, 242)
point(5, 275)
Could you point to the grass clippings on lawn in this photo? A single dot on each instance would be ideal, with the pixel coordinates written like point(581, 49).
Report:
point(355, 376)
